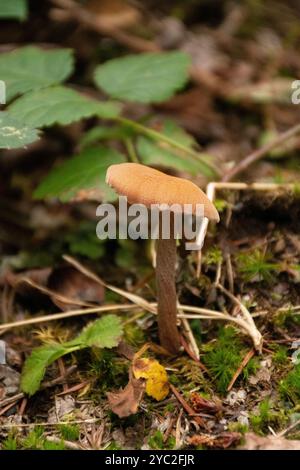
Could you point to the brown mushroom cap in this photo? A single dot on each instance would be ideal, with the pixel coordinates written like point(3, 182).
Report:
point(144, 185)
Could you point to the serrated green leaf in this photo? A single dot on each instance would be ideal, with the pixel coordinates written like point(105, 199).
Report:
point(160, 153)
point(31, 68)
point(103, 333)
point(36, 364)
point(13, 9)
point(59, 105)
point(82, 176)
point(14, 134)
point(146, 78)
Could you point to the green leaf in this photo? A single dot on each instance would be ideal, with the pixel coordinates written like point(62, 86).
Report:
point(35, 365)
point(59, 105)
point(103, 333)
point(146, 78)
point(100, 133)
point(30, 68)
point(14, 9)
point(160, 153)
point(14, 134)
point(81, 177)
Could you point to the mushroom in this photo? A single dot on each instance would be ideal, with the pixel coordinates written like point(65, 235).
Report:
point(144, 185)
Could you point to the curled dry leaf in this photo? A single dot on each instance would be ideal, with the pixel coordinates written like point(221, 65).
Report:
point(125, 402)
point(72, 284)
point(157, 385)
point(201, 404)
point(221, 441)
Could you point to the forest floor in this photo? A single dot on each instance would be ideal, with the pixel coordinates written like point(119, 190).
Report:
point(231, 395)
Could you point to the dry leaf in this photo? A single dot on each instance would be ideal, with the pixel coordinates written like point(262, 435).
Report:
point(201, 404)
point(157, 385)
point(254, 442)
point(222, 440)
point(71, 283)
point(126, 401)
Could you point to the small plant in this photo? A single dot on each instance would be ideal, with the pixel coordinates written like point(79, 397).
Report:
point(103, 333)
point(256, 266)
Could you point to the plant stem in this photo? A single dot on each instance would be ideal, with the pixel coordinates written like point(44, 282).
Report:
point(131, 150)
point(207, 167)
point(166, 293)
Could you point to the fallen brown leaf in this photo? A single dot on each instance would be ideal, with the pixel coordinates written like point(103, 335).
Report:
point(125, 402)
point(200, 404)
point(71, 283)
point(221, 441)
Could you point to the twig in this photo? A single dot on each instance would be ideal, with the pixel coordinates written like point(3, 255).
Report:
point(260, 153)
point(187, 407)
point(256, 336)
point(72, 10)
point(190, 337)
point(69, 314)
point(47, 424)
point(243, 364)
point(44, 385)
point(289, 428)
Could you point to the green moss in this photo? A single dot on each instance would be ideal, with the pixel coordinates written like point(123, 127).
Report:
point(289, 386)
point(48, 445)
point(224, 356)
point(34, 440)
point(213, 256)
point(238, 427)
point(10, 443)
point(280, 356)
point(110, 370)
point(157, 441)
point(266, 417)
point(256, 264)
point(70, 432)
point(134, 335)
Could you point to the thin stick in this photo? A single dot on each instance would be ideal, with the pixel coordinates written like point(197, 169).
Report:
point(260, 153)
point(187, 407)
point(72, 10)
point(190, 336)
point(289, 428)
point(243, 364)
point(69, 314)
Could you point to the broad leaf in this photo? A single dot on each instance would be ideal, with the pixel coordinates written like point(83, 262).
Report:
point(36, 364)
point(146, 78)
point(15, 9)
point(103, 333)
point(59, 105)
point(14, 134)
point(160, 153)
point(81, 177)
point(100, 133)
point(30, 68)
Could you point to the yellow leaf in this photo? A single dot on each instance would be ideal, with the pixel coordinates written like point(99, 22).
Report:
point(157, 385)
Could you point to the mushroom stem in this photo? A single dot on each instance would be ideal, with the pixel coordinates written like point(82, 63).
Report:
point(166, 293)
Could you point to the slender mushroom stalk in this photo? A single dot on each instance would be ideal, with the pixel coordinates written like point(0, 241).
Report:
point(166, 292)
point(145, 185)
